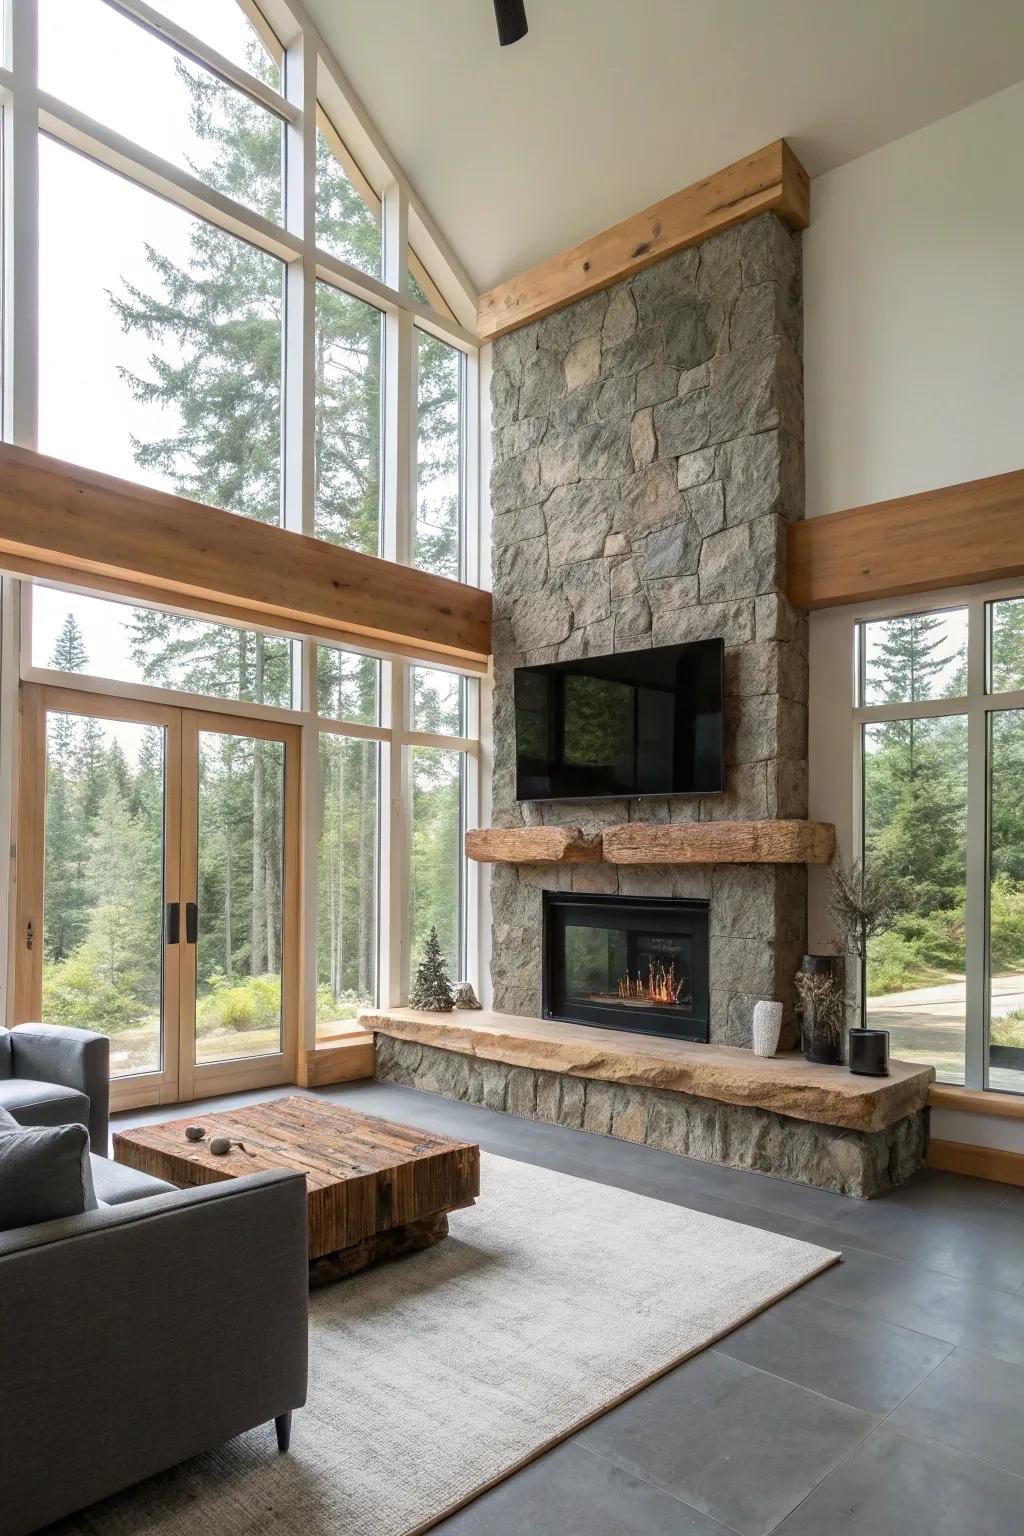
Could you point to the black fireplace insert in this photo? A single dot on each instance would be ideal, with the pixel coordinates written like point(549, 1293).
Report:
point(627, 962)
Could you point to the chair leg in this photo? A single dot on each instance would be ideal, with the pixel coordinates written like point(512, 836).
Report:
point(283, 1425)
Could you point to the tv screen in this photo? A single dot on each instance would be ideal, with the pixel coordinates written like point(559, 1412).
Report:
point(640, 723)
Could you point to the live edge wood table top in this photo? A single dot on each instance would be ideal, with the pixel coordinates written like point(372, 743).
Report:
point(374, 1189)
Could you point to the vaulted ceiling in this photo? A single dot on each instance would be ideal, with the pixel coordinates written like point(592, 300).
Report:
point(608, 105)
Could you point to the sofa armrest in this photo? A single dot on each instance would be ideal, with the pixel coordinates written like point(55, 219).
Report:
point(136, 1336)
point(74, 1058)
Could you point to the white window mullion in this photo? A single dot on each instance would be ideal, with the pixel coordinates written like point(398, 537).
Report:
point(976, 911)
point(399, 389)
point(396, 846)
point(21, 213)
point(299, 472)
point(300, 296)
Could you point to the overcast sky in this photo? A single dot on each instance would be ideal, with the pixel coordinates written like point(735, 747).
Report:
point(93, 229)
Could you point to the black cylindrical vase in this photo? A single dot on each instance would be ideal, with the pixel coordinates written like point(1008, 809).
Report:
point(821, 1043)
point(868, 1052)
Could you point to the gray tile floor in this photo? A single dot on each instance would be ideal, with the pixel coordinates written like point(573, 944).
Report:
point(886, 1396)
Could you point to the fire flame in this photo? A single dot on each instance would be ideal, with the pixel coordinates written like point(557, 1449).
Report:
point(659, 987)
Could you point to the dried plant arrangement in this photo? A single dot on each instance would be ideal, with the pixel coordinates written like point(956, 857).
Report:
point(821, 1003)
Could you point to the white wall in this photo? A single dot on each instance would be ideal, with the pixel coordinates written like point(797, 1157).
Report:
point(913, 378)
point(914, 311)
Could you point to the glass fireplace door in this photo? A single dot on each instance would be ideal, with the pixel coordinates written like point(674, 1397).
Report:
point(627, 963)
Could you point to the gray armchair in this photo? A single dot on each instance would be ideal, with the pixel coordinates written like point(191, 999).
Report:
point(139, 1334)
point(55, 1076)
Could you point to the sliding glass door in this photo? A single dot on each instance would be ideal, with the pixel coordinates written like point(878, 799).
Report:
point(240, 889)
point(158, 890)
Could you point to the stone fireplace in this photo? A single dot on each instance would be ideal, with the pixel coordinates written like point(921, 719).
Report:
point(648, 452)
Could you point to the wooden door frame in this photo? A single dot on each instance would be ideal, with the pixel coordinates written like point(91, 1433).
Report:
point(36, 700)
point(177, 1078)
point(203, 1079)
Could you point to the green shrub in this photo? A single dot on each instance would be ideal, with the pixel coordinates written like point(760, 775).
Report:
point(236, 1004)
point(919, 950)
point(893, 964)
point(331, 1009)
point(1007, 909)
point(1010, 1030)
point(80, 993)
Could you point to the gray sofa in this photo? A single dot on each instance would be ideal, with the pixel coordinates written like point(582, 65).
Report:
point(55, 1076)
point(145, 1331)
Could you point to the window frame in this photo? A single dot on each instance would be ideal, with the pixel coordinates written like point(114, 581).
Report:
point(312, 84)
point(977, 705)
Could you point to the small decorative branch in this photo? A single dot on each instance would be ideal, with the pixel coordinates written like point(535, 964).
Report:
point(863, 901)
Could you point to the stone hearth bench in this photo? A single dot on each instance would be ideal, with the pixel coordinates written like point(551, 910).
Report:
point(779, 1115)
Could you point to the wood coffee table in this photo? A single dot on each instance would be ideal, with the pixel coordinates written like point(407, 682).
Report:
point(375, 1190)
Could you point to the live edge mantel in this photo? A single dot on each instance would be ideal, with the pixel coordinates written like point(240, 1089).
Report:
point(695, 842)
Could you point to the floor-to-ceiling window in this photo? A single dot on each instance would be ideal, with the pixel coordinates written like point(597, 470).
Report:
point(939, 723)
point(214, 291)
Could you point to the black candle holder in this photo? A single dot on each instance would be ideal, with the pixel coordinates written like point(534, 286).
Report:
point(868, 1052)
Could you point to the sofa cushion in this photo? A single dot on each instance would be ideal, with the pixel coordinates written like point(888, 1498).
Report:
point(6, 1054)
point(34, 1103)
point(117, 1185)
point(45, 1173)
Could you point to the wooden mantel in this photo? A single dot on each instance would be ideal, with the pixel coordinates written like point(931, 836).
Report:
point(770, 180)
point(62, 523)
point(693, 842)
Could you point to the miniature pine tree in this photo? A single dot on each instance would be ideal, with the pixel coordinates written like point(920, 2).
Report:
point(432, 988)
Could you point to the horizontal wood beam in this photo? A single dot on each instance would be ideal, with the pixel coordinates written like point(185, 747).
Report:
point(62, 523)
point(770, 180)
point(720, 842)
point(533, 845)
point(694, 842)
point(951, 537)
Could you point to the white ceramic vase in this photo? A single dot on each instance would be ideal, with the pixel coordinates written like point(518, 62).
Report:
point(767, 1027)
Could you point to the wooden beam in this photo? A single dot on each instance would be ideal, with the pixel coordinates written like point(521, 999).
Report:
point(770, 180)
point(720, 842)
point(532, 845)
point(951, 537)
point(67, 524)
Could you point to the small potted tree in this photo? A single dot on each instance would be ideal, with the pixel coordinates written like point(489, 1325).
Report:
point(863, 901)
point(431, 989)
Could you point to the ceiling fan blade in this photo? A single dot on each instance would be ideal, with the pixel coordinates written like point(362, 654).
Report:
point(511, 18)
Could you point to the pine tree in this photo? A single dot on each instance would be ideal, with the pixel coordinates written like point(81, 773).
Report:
point(214, 321)
point(432, 987)
point(69, 653)
point(66, 835)
point(912, 655)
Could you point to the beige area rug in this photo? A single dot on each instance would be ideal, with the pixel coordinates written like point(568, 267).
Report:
point(433, 1377)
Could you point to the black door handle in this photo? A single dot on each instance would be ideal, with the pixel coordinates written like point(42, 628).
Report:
point(191, 922)
point(173, 922)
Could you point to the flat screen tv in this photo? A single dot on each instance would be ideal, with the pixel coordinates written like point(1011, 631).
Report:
point(640, 723)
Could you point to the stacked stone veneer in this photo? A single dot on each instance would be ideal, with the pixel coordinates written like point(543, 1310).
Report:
point(851, 1162)
point(648, 453)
